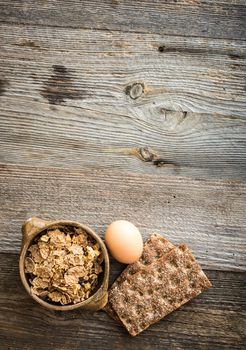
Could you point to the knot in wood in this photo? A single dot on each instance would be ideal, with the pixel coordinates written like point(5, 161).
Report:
point(135, 90)
point(147, 154)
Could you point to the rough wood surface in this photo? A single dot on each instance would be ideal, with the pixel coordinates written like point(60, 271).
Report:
point(214, 320)
point(100, 70)
point(126, 109)
point(208, 215)
point(207, 18)
point(196, 145)
point(106, 103)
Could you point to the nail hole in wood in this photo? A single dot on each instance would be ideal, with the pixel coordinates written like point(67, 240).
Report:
point(161, 48)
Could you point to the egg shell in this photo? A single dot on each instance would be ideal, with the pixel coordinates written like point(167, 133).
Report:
point(124, 241)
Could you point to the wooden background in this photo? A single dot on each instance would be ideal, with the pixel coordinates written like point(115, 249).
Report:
point(135, 110)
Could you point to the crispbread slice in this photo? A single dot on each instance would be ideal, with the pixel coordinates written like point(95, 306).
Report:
point(155, 247)
point(158, 289)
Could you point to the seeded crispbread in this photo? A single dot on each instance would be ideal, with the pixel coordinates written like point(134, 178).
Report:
point(155, 290)
point(155, 247)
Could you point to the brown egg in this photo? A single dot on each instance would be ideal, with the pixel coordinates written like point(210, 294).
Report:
point(124, 241)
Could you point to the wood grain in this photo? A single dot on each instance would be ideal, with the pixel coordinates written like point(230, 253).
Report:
point(214, 320)
point(133, 110)
point(208, 215)
point(168, 143)
point(181, 98)
point(207, 18)
point(97, 69)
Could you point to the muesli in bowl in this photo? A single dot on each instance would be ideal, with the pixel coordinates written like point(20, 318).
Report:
point(65, 265)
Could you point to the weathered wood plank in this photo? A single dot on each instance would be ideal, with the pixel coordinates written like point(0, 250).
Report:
point(127, 102)
point(169, 143)
point(55, 81)
point(208, 215)
point(85, 68)
point(207, 18)
point(214, 320)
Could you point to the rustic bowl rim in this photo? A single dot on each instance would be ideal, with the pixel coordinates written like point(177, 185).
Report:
point(101, 291)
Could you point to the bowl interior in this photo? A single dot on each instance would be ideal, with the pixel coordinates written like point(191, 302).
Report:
point(102, 277)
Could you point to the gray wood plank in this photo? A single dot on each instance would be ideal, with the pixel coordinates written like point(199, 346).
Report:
point(169, 143)
point(214, 320)
point(208, 215)
point(207, 18)
point(85, 68)
point(55, 81)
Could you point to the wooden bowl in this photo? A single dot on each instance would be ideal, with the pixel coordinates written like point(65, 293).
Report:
point(32, 228)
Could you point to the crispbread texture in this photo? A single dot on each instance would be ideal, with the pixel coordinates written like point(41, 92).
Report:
point(155, 247)
point(155, 290)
